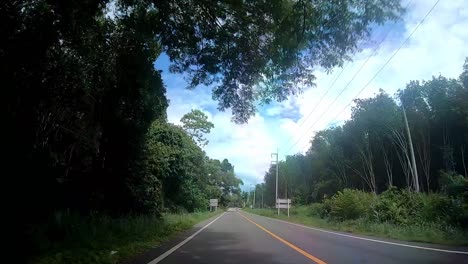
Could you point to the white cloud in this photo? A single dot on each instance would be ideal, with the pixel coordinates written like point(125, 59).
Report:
point(246, 146)
point(438, 47)
point(435, 48)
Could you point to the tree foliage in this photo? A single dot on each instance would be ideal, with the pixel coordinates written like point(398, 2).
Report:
point(197, 125)
point(178, 162)
point(85, 121)
point(370, 151)
point(263, 50)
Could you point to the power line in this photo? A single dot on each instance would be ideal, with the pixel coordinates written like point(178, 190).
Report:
point(328, 89)
point(374, 52)
point(320, 101)
point(387, 62)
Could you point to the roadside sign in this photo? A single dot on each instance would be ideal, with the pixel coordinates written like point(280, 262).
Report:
point(213, 202)
point(283, 203)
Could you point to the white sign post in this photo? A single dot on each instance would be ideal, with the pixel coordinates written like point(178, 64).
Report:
point(214, 203)
point(283, 203)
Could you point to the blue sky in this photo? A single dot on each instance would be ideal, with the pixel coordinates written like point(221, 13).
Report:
point(438, 47)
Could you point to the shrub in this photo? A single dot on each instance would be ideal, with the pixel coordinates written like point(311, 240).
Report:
point(324, 189)
point(436, 208)
point(316, 209)
point(71, 238)
point(463, 219)
point(349, 204)
point(453, 185)
point(395, 206)
point(326, 208)
point(404, 207)
point(313, 209)
point(458, 213)
point(398, 206)
point(299, 210)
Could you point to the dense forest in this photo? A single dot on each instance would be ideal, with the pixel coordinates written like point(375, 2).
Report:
point(85, 107)
point(373, 150)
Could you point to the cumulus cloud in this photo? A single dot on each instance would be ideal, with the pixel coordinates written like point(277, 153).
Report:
point(435, 48)
point(438, 47)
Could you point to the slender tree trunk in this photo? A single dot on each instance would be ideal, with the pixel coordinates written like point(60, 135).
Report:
point(340, 169)
point(424, 153)
point(401, 144)
point(368, 174)
point(344, 176)
point(388, 166)
point(447, 151)
point(286, 190)
point(406, 169)
point(462, 148)
point(413, 159)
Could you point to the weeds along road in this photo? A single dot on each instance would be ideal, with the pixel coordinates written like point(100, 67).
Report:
point(240, 237)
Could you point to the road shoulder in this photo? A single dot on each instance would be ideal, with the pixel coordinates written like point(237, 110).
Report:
point(151, 254)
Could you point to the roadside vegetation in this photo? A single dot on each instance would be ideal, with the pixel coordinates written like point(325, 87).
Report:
point(107, 240)
point(395, 214)
point(86, 129)
point(397, 168)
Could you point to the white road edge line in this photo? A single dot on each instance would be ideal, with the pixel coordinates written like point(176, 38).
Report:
point(170, 251)
point(369, 239)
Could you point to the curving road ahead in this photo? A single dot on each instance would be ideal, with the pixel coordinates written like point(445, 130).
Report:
point(240, 237)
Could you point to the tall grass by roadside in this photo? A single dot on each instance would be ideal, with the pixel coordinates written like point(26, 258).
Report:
point(310, 215)
point(101, 239)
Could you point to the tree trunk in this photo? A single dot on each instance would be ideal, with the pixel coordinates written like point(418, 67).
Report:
point(424, 153)
point(388, 166)
point(462, 148)
point(413, 159)
point(340, 169)
point(449, 163)
point(401, 144)
point(366, 159)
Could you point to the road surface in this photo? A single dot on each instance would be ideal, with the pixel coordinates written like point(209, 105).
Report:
point(240, 237)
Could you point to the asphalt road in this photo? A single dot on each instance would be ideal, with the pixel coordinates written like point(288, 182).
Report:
point(240, 237)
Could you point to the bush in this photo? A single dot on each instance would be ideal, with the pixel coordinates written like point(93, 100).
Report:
point(458, 213)
point(349, 204)
point(316, 209)
point(436, 208)
point(463, 219)
point(403, 207)
point(324, 189)
point(397, 206)
point(453, 185)
point(71, 238)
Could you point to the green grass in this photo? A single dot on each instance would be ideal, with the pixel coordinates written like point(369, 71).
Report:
point(107, 240)
point(429, 232)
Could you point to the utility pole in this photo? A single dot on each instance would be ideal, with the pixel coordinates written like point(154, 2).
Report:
point(263, 187)
point(287, 196)
point(413, 159)
point(255, 190)
point(276, 162)
point(277, 165)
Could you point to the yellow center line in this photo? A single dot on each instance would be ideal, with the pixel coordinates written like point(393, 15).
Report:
point(307, 255)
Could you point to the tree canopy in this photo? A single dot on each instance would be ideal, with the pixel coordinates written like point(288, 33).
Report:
point(85, 122)
point(197, 125)
point(371, 150)
point(262, 50)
